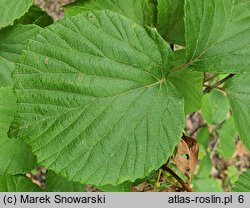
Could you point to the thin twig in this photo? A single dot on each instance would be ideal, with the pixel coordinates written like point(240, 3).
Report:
point(217, 84)
point(215, 145)
point(196, 129)
point(209, 78)
point(159, 176)
point(180, 67)
point(184, 185)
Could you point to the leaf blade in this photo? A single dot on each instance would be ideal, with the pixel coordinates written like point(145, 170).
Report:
point(55, 183)
point(170, 21)
point(238, 91)
point(215, 107)
point(242, 185)
point(82, 106)
point(138, 11)
point(12, 42)
point(17, 183)
point(214, 33)
point(12, 11)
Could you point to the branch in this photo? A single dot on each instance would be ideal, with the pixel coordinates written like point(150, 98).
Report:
point(196, 129)
point(184, 185)
point(217, 84)
point(209, 78)
point(180, 67)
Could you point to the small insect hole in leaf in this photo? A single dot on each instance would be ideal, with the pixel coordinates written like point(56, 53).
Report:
point(91, 16)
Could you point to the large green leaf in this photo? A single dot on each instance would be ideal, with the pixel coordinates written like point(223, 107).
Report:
point(56, 183)
point(242, 185)
point(238, 91)
point(15, 156)
point(227, 135)
point(139, 11)
point(215, 107)
point(170, 20)
point(12, 10)
point(218, 35)
point(98, 109)
point(12, 41)
point(17, 183)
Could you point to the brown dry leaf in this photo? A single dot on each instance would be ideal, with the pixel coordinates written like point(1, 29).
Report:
point(186, 155)
point(90, 188)
point(240, 150)
point(141, 187)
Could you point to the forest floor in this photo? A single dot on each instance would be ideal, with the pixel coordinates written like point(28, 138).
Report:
point(53, 7)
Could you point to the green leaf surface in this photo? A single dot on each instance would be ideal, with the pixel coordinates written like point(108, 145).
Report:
point(215, 107)
point(238, 91)
point(218, 35)
point(170, 20)
point(203, 137)
point(15, 156)
point(188, 82)
point(203, 182)
point(205, 167)
point(98, 109)
point(7, 109)
point(17, 183)
point(227, 135)
point(124, 187)
point(207, 185)
point(12, 10)
point(242, 185)
point(56, 183)
point(12, 41)
point(6, 68)
point(35, 15)
point(139, 11)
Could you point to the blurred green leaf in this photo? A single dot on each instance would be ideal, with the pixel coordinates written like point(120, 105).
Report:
point(227, 135)
point(215, 107)
point(203, 137)
point(203, 182)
